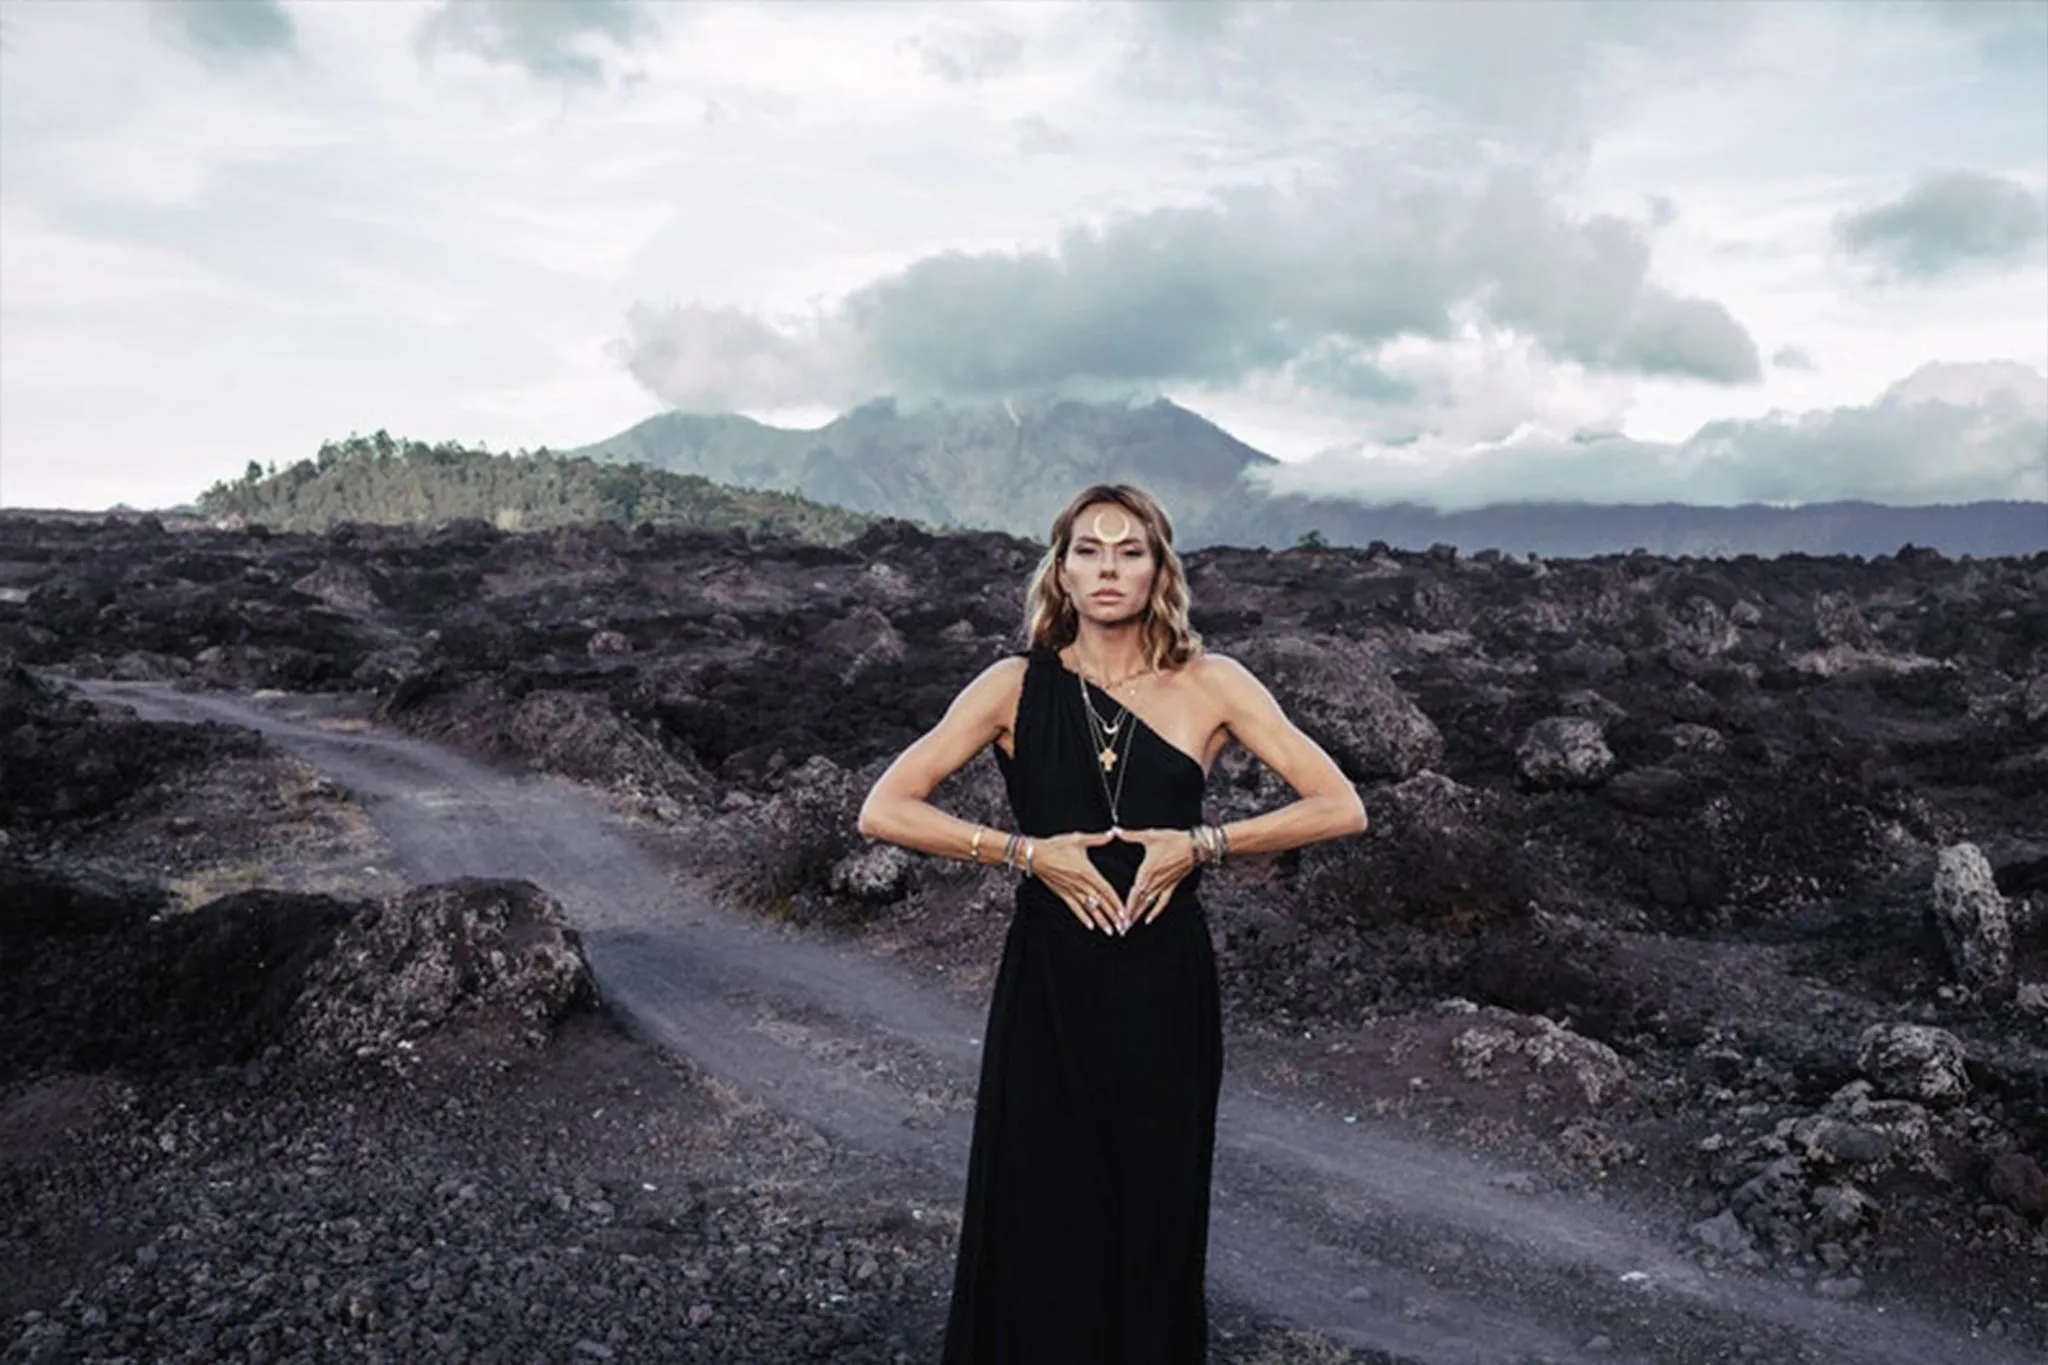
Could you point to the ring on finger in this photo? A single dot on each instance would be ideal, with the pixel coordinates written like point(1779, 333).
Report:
point(1091, 900)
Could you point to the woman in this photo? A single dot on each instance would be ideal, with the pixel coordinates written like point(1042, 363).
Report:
point(1086, 1226)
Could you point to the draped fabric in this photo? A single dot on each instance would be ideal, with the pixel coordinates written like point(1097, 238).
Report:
point(1085, 1233)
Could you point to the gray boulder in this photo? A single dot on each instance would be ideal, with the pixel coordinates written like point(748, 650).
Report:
point(862, 639)
point(341, 586)
point(1973, 919)
point(1723, 1234)
point(580, 736)
point(1341, 696)
point(1914, 1062)
point(1837, 620)
point(1564, 751)
point(493, 954)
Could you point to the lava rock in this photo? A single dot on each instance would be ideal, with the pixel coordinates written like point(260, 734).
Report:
point(877, 875)
point(1914, 1062)
point(1563, 752)
point(2017, 1179)
point(341, 586)
point(1973, 919)
point(1342, 696)
point(1502, 1042)
point(471, 951)
point(1723, 1234)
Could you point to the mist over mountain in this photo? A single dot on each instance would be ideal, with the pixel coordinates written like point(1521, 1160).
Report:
point(1011, 467)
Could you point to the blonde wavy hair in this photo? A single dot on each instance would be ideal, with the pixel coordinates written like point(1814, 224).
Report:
point(1050, 618)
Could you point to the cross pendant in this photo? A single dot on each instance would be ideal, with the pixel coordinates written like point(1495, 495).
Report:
point(1108, 757)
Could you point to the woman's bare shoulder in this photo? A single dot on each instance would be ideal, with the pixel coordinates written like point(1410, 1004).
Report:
point(998, 686)
point(1210, 669)
point(1226, 682)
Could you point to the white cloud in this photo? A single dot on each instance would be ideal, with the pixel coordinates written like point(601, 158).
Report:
point(1947, 433)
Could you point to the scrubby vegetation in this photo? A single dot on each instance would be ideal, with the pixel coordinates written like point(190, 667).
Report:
point(382, 479)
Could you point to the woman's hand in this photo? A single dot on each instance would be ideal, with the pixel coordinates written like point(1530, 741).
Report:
point(1061, 862)
point(1169, 857)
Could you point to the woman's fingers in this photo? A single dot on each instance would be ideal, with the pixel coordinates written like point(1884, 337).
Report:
point(1159, 903)
point(1080, 912)
point(1095, 906)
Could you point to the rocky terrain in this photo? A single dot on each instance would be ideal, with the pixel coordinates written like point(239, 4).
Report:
point(1717, 887)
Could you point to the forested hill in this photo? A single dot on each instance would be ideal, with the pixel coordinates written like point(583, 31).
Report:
point(380, 479)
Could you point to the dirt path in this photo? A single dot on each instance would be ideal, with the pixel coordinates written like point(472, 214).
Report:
point(1345, 1229)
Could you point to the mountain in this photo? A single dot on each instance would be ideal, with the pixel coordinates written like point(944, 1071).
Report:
point(1002, 467)
point(1011, 468)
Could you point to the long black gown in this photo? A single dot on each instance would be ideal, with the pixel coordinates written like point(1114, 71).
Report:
point(1085, 1234)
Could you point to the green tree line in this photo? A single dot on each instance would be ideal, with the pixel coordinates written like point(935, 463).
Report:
point(378, 478)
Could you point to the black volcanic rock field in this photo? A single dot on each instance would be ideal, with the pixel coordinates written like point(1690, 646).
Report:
point(1716, 887)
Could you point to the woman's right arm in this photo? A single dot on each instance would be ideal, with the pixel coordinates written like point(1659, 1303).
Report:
point(898, 809)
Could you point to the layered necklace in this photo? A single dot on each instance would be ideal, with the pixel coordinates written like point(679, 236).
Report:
point(1111, 742)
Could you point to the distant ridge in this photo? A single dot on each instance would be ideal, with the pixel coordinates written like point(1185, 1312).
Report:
point(1580, 529)
point(376, 479)
point(977, 466)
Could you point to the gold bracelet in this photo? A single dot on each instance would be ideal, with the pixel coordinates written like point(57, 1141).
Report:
point(974, 848)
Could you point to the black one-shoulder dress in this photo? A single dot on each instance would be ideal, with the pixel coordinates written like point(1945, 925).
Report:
point(1085, 1234)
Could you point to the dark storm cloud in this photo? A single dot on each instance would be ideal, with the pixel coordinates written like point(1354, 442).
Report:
point(228, 30)
point(540, 36)
point(1948, 220)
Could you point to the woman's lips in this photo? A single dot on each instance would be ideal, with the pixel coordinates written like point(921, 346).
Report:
point(1105, 595)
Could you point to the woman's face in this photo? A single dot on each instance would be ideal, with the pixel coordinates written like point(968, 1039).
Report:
point(1108, 568)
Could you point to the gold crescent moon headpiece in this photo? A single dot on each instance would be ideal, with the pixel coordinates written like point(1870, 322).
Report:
point(1110, 527)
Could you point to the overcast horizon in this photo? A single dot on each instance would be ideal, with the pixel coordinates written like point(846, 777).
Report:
point(1602, 251)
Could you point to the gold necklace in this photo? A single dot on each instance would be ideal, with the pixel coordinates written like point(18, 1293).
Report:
point(1107, 756)
point(1104, 732)
point(1105, 684)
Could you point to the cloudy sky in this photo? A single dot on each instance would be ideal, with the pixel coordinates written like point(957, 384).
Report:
point(1772, 251)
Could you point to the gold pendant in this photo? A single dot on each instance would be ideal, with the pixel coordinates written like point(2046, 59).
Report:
point(1108, 757)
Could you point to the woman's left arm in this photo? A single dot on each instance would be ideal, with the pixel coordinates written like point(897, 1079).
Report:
point(1328, 806)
